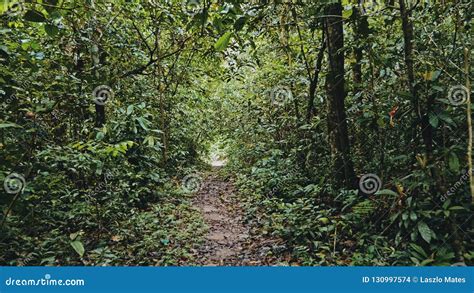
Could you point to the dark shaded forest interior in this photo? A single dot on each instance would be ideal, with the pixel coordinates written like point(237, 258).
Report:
point(229, 133)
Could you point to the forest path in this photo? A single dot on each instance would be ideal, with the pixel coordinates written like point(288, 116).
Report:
point(229, 241)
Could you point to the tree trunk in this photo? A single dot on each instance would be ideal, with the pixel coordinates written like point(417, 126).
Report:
point(407, 27)
point(99, 109)
point(361, 30)
point(337, 124)
point(314, 82)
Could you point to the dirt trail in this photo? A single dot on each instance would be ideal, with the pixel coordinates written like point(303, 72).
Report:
point(229, 241)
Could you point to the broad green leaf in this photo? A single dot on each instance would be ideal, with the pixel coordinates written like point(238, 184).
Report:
point(347, 13)
point(78, 247)
point(419, 250)
point(426, 262)
point(34, 16)
point(386, 192)
point(457, 208)
point(223, 41)
point(425, 231)
point(51, 30)
point(129, 109)
point(8, 125)
point(143, 123)
point(100, 135)
point(453, 162)
point(239, 23)
point(434, 121)
point(324, 220)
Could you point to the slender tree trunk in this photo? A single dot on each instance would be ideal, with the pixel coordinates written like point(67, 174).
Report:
point(314, 82)
point(99, 109)
point(361, 30)
point(407, 27)
point(337, 123)
point(164, 158)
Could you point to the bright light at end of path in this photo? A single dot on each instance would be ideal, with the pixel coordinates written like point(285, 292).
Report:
point(217, 155)
point(218, 163)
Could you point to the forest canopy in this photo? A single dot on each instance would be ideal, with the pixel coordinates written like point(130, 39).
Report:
point(344, 128)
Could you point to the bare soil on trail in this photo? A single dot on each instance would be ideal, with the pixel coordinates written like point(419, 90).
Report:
point(229, 241)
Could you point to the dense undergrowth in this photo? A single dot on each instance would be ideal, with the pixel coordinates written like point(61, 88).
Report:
point(107, 106)
point(90, 181)
point(97, 203)
point(327, 227)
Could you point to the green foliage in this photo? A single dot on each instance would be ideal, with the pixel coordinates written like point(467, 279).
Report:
point(241, 81)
